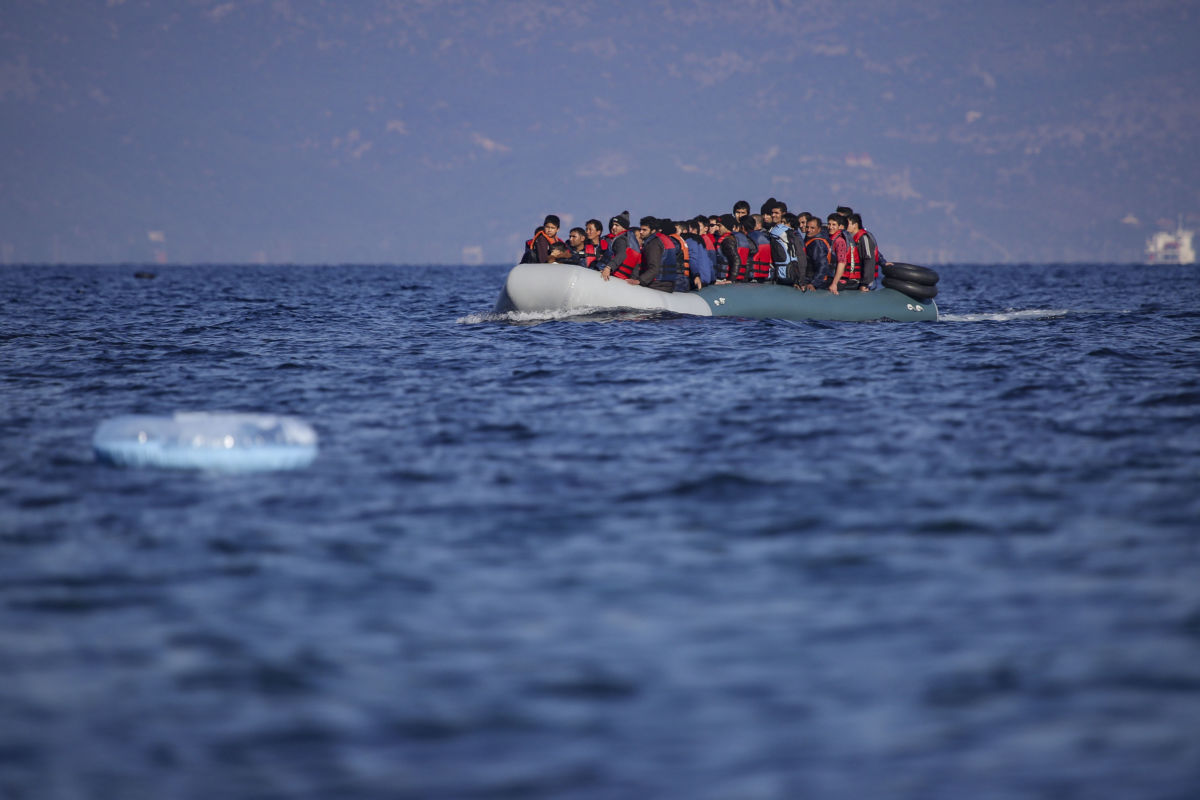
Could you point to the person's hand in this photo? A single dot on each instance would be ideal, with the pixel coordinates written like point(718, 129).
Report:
point(833, 288)
point(604, 273)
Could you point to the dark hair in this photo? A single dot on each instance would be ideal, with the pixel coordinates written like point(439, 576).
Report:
point(595, 223)
point(790, 220)
point(667, 227)
point(649, 222)
point(728, 220)
point(845, 210)
point(582, 232)
point(855, 218)
point(741, 204)
point(766, 207)
point(559, 247)
point(552, 219)
point(840, 219)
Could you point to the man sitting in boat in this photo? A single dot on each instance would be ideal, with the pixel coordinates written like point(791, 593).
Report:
point(820, 259)
point(537, 249)
point(866, 250)
point(657, 269)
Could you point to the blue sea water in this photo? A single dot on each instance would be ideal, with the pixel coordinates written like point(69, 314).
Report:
point(604, 555)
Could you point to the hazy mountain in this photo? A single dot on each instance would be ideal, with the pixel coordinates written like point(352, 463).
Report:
point(442, 132)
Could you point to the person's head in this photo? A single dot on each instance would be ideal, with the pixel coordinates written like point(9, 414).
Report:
point(668, 227)
point(741, 208)
point(752, 222)
point(576, 238)
point(647, 226)
point(559, 252)
point(791, 221)
point(765, 208)
point(813, 227)
point(619, 222)
point(836, 222)
point(702, 225)
point(844, 210)
point(853, 222)
point(713, 221)
point(593, 230)
point(551, 225)
point(726, 223)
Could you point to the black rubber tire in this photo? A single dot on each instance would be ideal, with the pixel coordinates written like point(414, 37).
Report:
point(916, 291)
point(911, 273)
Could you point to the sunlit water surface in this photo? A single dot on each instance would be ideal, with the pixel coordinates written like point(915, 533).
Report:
point(603, 555)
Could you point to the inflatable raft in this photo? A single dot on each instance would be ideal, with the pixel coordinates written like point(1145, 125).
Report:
point(223, 442)
point(564, 287)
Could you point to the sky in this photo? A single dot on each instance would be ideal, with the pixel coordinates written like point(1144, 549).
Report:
point(442, 132)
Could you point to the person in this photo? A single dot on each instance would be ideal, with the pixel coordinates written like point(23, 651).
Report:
point(727, 262)
point(740, 209)
point(795, 236)
point(530, 255)
point(760, 252)
point(699, 262)
point(537, 249)
point(657, 268)
point(839, 245)
point(621, 250)
point(576, 240)
point(745, 249)
point(772, 213)
point(699, 228)
point(593, 232)
point(684, 280)
point(820, 265)
point(871, 261)
point(560, 253)
point(783, 257)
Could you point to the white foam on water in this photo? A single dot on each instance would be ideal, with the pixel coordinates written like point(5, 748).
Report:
point(534, 316)
point(1009, 315)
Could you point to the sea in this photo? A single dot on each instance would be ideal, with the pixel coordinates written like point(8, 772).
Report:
point(601, 554)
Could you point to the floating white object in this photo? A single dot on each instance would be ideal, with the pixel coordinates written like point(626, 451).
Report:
point(227, 442)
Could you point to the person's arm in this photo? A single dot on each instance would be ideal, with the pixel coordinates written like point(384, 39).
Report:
point(541, 246)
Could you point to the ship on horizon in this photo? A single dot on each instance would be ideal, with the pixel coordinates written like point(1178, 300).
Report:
point(1167, 247)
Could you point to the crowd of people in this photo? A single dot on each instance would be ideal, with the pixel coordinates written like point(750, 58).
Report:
point(773, 246)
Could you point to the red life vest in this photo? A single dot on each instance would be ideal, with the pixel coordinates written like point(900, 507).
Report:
point(590, 251)
point(760, 265)
point(633, 254)
point(853, 271)
point(744, 244)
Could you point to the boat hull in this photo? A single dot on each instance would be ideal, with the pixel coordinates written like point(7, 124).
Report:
point(565, 287)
